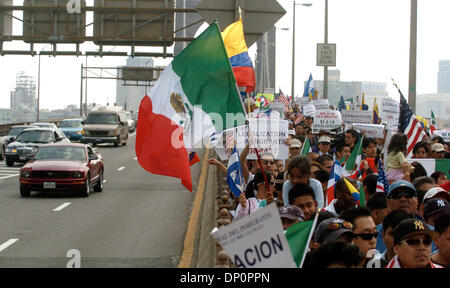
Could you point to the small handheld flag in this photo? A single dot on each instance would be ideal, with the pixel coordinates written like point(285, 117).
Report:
point(234, 174)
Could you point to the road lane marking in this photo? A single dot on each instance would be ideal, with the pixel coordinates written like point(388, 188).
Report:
point(121, 168)
point(4, 177)
point(7, 244)
point(59, 208)
point(135, 158)
point(104, 180)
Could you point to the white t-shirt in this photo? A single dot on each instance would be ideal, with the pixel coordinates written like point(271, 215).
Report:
point(315, 185)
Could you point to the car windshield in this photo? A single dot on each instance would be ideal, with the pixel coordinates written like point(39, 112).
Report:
point(35, 136)
point(15, 131)
point(70, 124)
point(61, 153)
point(101, 118)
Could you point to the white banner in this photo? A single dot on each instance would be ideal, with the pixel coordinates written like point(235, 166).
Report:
point(370, 130)
point(268, 134)
point(356, 116)
point(326, 120)
point(257, 240)
point(321, 104)
point(302, 101)
point(390, 112)
point(445, 134)
point(309, 110)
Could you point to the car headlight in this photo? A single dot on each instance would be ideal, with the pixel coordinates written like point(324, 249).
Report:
point(9, 149)
point(114, 132)
point(79, 132)
point(77, 174)
point(85, 132)
point(25, 174)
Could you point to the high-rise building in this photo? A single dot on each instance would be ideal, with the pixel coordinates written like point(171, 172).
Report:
point(128, 94)
point(23, 98)
point(444, 76)
point(439, 103)
point(350, 89)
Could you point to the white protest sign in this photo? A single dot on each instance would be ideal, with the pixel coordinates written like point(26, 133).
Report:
point(445, 134)
point(356, 116)
point(390, 112)
point(326, 120)
point(268, 134)
point(370, 130)
point(257, 240)
point(309, 110)
point(302, 101)
point(321, 104)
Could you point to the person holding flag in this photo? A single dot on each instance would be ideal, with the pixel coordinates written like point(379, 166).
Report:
point(309, 88)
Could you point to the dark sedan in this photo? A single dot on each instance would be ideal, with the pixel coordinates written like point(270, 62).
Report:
point(63, 167)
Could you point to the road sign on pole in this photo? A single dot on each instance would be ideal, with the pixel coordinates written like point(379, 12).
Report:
point(258, 16)
point(326, 54)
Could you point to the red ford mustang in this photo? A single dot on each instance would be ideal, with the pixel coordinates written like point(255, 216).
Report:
point(61, 167)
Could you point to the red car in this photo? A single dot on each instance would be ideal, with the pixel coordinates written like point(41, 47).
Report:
point(63, 167)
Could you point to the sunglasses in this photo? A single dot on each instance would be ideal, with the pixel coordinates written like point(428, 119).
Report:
point(416, 241)
point(324, 143)
point(336, 225)
point(265, 162)
point(399, 195)
point(367, 236)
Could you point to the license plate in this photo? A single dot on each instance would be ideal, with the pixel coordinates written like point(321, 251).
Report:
point(22, 157)
point(49, 185)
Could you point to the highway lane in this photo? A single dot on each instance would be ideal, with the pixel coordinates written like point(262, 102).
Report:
point(139, 220)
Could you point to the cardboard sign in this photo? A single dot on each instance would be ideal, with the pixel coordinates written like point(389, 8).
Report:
point(390, 113)
point(257, 240)
point(356, 116)
point(302, 101)
point(309, 110)
point(370, 130)
point(268, 134)
point(326, 120)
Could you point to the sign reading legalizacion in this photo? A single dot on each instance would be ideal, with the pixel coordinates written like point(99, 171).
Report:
point(370, 130)
point(268, 134)
point(326, 120)
point(356, 116)
point(390, 112)
point(257, 240)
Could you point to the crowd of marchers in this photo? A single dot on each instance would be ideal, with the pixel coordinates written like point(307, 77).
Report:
point(406, 226)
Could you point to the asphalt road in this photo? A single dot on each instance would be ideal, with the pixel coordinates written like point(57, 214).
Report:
point(139, 220)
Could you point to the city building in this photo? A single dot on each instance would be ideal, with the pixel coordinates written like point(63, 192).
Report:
point(23, 101)
point(350, 89)
point(5, 116)
point(128, 94)
point(444, 76)
point(438, 102)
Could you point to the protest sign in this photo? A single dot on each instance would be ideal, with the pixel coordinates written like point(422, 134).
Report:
point(309, 110)
point(302, 101)
point(445, 134)
point(268, 134)
point(321, 104)
point(356, 116)
point(257, 240)
point(326, 120)
point(390, 112)
point(370, 130)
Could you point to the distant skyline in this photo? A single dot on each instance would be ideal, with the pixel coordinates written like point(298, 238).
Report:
point(372, 39)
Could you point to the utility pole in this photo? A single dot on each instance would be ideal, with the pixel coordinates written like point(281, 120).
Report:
point(293, 55)
point(81, 92)
point(325, 68)
point(39, 87)
point(413, 57)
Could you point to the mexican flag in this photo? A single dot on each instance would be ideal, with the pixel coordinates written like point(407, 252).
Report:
point(298, 236)
point(433, 125)
point(197, 87)
point(306, 147)
point(355, 157)
point(434, 165)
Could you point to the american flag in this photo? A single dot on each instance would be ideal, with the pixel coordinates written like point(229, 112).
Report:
point(283, 99)
point(409, 125)
point(382, 182)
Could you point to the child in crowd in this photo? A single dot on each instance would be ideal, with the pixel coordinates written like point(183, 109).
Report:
point(397, 167)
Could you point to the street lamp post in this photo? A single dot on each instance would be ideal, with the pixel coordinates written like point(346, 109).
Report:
point(325, 68)
point(293, 46)
point(39, 83)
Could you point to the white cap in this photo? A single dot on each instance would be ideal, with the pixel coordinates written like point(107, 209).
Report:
point(433, 192)
point(324, 139)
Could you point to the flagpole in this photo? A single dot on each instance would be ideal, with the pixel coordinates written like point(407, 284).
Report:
point(373, 113)
point(309, 237)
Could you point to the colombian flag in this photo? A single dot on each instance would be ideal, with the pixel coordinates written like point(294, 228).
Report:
point(233, 37)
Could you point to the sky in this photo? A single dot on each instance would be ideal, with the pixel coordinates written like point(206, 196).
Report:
point(372, 38)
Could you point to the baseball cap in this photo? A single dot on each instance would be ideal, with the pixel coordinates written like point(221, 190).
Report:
point(295, 143)
point(410, 227)
point(434, 206)
point(401, 184)
point(437, 192)
point(291, 132)
point(324, 234)
point(438, 147)
point(291, 212)
point(324, 139)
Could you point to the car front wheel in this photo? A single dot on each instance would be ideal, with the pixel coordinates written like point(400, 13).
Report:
point(24, 192)
point(86, 189)
point(9, 162)
point(99, 186)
